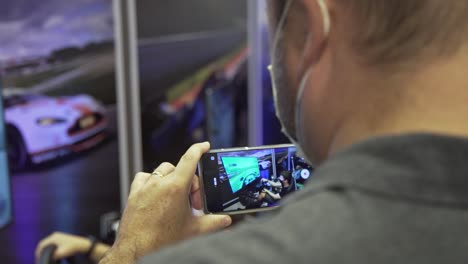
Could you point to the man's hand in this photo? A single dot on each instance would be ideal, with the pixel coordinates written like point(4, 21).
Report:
point(67, 245)
point(158, 212)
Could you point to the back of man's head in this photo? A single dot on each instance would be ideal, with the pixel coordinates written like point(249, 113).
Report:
point(347, 70)
point(287, 175)
point(390, 31)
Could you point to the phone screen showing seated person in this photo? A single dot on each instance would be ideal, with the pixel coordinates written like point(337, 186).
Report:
point(239, 180)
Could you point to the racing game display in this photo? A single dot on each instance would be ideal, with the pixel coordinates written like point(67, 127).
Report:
point(58, 86)
point(5, 199)
point(237, 180)
point(42, 128)
point(240, 171)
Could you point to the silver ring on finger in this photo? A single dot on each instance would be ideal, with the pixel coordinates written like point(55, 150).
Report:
point(157, 174)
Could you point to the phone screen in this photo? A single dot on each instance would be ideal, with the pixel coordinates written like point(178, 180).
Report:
point(238, 180)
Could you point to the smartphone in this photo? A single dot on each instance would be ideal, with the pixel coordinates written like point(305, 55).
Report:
point(246, 180)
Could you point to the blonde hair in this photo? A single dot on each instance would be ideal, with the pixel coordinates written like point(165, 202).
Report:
point(388, 31)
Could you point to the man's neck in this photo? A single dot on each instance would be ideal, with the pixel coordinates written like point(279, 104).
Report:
point(432, 100)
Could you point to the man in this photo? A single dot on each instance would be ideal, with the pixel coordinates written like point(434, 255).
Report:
point(287, 183)
point(253, 195)
point(376, 93)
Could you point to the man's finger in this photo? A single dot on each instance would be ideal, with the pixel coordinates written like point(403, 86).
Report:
point(196, 200)
point(212, 223)
point(61, 253)
point(188, 163)
point(139, 181)
point(42, 244)
point(164, 169)
point(195, 195)
point(195, 184)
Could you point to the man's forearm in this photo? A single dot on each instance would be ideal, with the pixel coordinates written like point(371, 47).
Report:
point(99, 252)
point(274, 195)
point(275, 184)
point(119, 254)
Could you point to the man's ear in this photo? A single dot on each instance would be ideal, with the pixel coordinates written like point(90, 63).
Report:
point(318, 24)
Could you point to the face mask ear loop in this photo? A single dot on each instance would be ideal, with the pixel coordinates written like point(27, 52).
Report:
point(298, 111)
point(281, 23)
point(276, 39)
point(305, 79)
point(326, 17)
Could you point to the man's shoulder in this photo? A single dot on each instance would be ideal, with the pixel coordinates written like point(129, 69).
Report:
point(355, 225)
point(307, 223)
point(332, 225)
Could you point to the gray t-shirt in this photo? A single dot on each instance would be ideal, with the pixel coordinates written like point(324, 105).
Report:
point(388, 200)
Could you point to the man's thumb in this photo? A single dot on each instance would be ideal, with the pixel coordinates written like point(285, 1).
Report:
point(211, 223)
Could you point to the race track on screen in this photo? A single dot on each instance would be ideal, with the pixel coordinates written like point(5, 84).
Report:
point(241, 171)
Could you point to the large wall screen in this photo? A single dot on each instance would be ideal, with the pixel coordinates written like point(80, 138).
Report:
point(5, 195)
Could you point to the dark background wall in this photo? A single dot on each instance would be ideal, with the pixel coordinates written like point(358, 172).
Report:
point(206, 31)
point(165, 17)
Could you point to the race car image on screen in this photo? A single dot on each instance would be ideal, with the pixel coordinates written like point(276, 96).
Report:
point(41, 128)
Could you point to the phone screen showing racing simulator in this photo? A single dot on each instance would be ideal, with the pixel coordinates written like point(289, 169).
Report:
point(251, 179)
